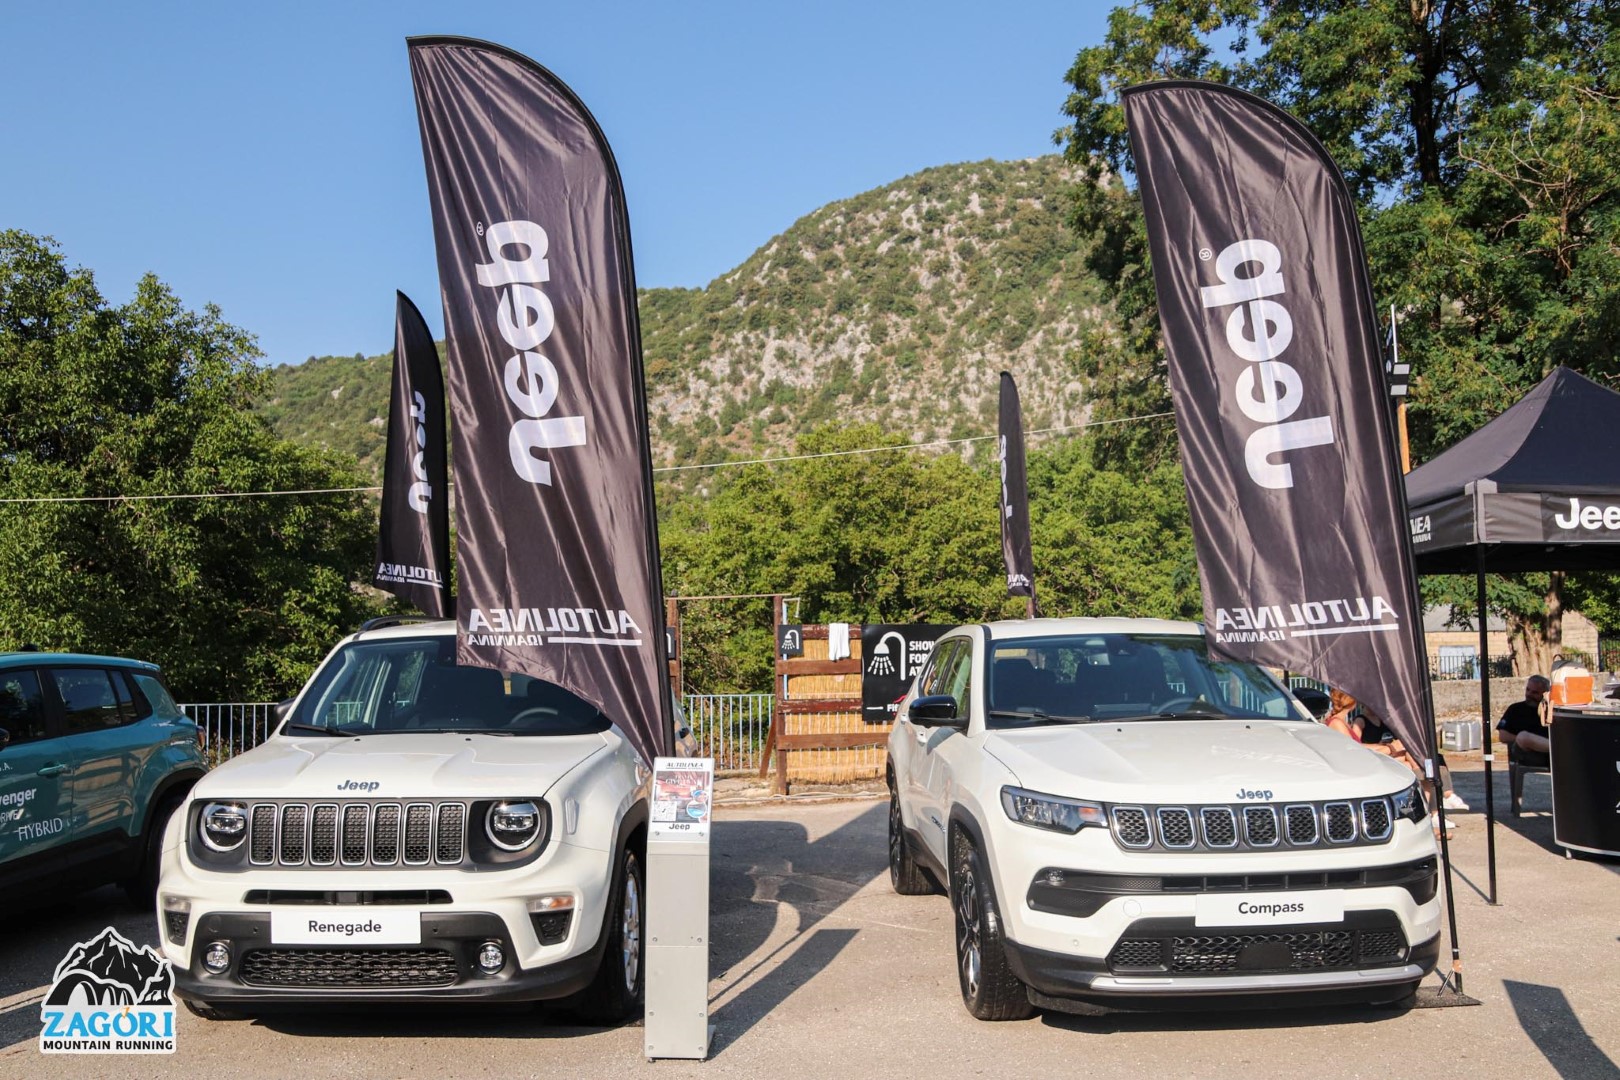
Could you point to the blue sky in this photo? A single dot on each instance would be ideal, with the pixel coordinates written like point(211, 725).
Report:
point(266, 158)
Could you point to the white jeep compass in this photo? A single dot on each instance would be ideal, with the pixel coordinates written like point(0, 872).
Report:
point(415, 829)
point(1122, 821)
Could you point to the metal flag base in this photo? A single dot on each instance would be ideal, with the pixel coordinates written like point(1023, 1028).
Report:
point(1444, 996)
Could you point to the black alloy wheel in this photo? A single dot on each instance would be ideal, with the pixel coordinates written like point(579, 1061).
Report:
point(989, 988)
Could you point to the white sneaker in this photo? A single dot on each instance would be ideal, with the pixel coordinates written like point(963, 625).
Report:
point(1454, 802)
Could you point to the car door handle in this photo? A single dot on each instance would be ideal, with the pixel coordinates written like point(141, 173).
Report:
point(53, 770)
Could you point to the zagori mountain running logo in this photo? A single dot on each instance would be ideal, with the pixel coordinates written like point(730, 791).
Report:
point(109, 996)
point(525, 318)
point(1269, 391)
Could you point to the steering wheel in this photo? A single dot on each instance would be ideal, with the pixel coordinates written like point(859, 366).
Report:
point(533, 712)
point(1185, 702)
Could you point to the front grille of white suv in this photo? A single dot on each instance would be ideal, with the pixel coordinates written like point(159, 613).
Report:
point(357, 834)
point(1252, 826)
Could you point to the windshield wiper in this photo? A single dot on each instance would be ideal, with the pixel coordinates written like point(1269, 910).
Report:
point(1178, 714)
point(1039, 716)
point(315, 729)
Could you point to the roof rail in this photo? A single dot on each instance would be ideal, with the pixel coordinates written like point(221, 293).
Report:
point(382, 621)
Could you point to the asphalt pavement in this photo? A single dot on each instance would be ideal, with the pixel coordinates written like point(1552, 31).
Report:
point(819, 970)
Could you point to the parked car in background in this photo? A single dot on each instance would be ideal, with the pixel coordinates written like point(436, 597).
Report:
point(94, 758)
point(1121, 820)
point(415, 830)
point(1315, 700)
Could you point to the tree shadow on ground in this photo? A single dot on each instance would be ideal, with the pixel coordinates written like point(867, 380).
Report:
point(758, 867)
point(1545, 1015)
point(761, 867)
point(40, 930)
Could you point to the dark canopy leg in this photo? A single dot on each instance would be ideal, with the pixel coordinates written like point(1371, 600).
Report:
point(1487, 746)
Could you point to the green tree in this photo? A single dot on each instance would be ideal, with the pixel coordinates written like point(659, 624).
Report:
point(1482, 141)
point(904, 536)
point(237, 598)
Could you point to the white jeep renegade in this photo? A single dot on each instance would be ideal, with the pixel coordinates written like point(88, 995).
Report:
point(1123, 821)
point(415, 829)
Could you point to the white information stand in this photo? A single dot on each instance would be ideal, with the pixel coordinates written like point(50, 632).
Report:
point(677, 928)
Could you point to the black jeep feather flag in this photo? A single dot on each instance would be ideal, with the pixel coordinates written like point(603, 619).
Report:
point(413, 534)
point(1014, 495)
point(1280, 396)
point(556, 539)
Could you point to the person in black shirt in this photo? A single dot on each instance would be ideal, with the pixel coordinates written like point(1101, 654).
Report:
point(1523, 727)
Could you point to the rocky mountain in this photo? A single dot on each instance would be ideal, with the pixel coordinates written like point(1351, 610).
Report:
point(899, 306)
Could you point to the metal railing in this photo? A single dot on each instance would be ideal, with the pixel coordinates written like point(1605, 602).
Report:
point(1466, 666)
point(229, 728)
point(731, 728)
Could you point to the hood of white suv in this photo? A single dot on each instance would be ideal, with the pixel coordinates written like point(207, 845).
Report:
point(1195, 762)
point(400, 766)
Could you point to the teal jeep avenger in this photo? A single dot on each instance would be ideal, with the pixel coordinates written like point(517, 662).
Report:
point(94, 757)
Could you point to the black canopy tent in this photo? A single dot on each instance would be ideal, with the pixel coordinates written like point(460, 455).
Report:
point(1537, 488)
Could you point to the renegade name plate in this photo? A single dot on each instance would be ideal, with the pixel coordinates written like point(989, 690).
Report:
point(345, 926)
point(1270, 909)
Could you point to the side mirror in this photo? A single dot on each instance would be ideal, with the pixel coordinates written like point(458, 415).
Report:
point(282, 708)
point(5, 738)
point(936, 710)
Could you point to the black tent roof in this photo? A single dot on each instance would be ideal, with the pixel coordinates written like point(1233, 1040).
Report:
point(1537, 488)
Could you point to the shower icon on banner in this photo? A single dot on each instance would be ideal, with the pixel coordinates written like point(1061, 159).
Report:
point(891, 656)
point(790, 640)
point(882, 661)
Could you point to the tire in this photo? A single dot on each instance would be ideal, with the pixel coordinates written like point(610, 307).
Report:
point(615, 994)
point(208, 1012)
point(907, 877)
point(141, 886)
point(989, 988)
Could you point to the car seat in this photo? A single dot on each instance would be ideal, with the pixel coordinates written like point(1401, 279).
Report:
point(1012, 685)
point(456, 696)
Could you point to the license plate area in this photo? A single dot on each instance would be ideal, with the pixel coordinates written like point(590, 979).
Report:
point(359, 926)
point(1270, 909)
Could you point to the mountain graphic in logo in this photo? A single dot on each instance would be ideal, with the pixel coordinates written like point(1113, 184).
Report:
point(111, 970)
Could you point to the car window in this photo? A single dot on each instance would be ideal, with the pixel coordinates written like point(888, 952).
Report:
point(126, 700)
point(156, 694)
point(958, 679)
point(1126, 676)
point(89, 702)
point(938, 672)
point(415, 685)
point(22, 706)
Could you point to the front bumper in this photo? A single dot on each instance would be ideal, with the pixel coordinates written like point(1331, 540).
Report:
point(443, 968)
point(458, 912)
point(1057, 979)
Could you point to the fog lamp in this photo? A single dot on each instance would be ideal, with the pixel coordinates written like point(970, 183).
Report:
point(559, 902)
point(217, 957)
point(491, 957)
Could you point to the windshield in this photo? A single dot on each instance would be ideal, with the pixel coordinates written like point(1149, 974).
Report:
point(415, 685)
point(1124, 676)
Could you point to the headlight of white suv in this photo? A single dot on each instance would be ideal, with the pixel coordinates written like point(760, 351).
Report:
point(512, 825)
point(223, 826)
point(1409, 803)
point(1051, 811)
